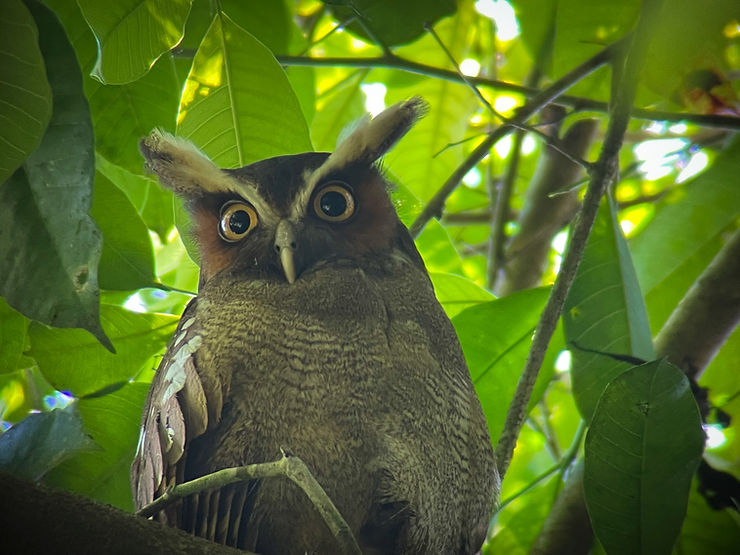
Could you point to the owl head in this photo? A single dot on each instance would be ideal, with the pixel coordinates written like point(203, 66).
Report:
point(278, 217)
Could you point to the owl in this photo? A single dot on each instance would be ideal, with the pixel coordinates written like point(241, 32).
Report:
point(316, 332)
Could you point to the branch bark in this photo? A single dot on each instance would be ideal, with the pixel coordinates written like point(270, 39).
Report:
point(37, 519)
point(707, 315)
point(393, 61)
point(544, 216)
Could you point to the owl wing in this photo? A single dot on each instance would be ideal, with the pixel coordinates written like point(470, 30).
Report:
point(177, 411)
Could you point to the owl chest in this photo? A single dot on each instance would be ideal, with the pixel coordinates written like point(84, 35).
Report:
point(298, 378)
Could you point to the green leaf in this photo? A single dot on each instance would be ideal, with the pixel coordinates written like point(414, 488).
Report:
point(225, 109)
point(152, 202)
point(686, 220)
point(431, 152)
point(604, 312)
point(269, 22)
point(71, 361)
point(122, 114)
point(643, 447)
point(389, 22)
point(456, 293)
point(25, 96)
point(42, 441)
point(113, 422)
point(132, 34)
point(495, 338)
point(336, 110)
point(582, 29)
point(127, 261)
point(48, 241)
point(13, 329)
point(437, 250)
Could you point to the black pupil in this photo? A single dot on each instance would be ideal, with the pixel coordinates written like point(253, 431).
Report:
point(239, 222)
point(333, 204)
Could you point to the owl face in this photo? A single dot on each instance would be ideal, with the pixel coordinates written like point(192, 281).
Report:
point(277, 218)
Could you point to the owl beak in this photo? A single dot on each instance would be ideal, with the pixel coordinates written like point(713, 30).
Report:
point(285, 246)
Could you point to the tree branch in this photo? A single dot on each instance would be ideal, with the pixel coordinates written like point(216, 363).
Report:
point(37, 519)
point(707, 315)
point(393, 61)
point(435, 205)
point(290, 467)
point(543, 215)
point(603, 174)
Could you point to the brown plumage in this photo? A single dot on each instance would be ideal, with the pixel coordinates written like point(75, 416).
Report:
point(315, 331)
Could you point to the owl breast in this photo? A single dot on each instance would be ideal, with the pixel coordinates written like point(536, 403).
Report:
point(355, 369)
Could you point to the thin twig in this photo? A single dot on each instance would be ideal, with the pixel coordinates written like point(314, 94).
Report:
point(500, 210)
point(605, 171)
point(290, 467)
point(435, 205)
point(551, 142)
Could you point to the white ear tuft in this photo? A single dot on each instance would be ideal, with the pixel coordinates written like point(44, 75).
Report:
point(181, 167)
point(374, 137)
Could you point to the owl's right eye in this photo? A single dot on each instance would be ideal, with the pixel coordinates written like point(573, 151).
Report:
point(237, 220)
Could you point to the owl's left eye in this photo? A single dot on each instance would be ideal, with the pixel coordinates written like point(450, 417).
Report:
point(334, 202)
point(237, 220)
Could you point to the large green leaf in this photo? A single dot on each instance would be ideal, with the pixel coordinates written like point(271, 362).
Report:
point(390, 22)
point(238, 106)
point(152, 202)
point(42, 441)
point(127, 261)
point(48, 243)
point(430, 152)
point(71, 361)
point(343, 105)
point(132, 34)
point(456, 293)
point(269, 22)
point(604, 312)
point(113, 422)
point(122, 114)
point(25, 96)
point(642, 449)
point(495, 338)
point(437, 250)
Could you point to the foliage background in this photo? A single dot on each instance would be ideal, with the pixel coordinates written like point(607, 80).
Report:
point(91, 258)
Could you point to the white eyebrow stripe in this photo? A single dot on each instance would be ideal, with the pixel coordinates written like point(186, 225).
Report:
point(248, 191)
point(299, 207)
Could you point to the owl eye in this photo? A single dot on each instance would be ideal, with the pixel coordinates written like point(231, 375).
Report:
point(237, 220)
point(334, 202)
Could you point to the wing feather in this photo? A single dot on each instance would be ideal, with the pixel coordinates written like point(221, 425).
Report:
point(177, 411)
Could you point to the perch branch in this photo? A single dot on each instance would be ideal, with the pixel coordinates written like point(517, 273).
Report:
point(290, 467)
point(604, 172)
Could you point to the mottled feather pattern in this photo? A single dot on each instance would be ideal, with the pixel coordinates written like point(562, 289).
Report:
point(324, 340)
